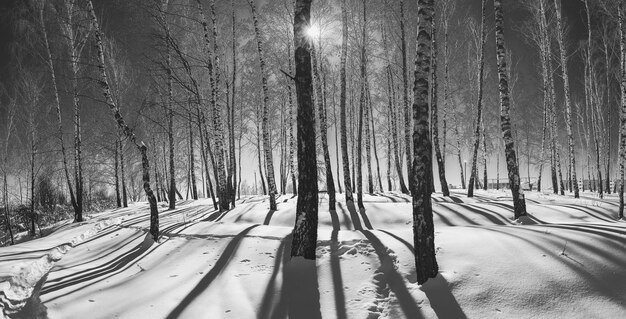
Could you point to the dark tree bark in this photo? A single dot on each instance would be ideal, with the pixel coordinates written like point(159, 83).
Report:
point(342, 104)
point(519, 203)
point(305, 229)
point(423, 227)
point(127, 131)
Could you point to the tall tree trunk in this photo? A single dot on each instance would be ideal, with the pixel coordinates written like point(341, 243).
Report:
point(292, 146)
point(362, 110)
point(622, 128)
point(337, 156)
point(128, 132)
point(305, 229)
point(169, 107)
point(368, 145)
point(485, 181)
point(519, 203)
point(155, 164)
point(423, 227)
point(123, 174)
point(203, 152)
point(258, 148)
point(192, 160)
point(75, 47)
point(117, 176)
point(434, 114)
point(50, 64)
point(371, 111)
point(33, 152)
point(481, 74)
point(458, 153)
point(218, 132)
point(330, 183)
point(269, 162)
point(407, 111)
point(233, 159)
point(5, 161)
point(392, 115)
point(568, 103)
point(342, 104)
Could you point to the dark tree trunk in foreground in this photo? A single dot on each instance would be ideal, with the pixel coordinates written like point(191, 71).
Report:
point(434, 109)
point(127, 131)
point(519, 203)
point(568, 103)
point(481, 74)
point(423, 227)
point(305, 230)
point(342, 104)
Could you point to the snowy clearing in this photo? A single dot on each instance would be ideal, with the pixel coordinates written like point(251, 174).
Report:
point(567, 260)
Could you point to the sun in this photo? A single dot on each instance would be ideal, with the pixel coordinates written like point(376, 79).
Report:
point(313, 31)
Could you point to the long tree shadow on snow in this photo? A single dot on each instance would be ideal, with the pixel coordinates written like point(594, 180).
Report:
point(100, 272)
point(204, 283)
point(299, 295)
point(537, 237)
point(393, 279)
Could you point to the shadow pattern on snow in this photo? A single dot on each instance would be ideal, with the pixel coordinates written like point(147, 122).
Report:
point(221, 263)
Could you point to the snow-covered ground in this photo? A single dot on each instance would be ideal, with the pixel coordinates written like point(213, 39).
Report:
point(568, 260)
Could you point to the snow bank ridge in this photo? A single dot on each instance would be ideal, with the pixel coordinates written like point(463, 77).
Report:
point(18, 288)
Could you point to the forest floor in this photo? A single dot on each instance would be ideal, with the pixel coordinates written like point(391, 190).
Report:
point(566, 260)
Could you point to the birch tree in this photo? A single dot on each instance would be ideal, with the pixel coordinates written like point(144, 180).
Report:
point(343, 102)
point(305, 229)
point(267, 147)
point(121, 123)
point(423, 227)
point(519, 203)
